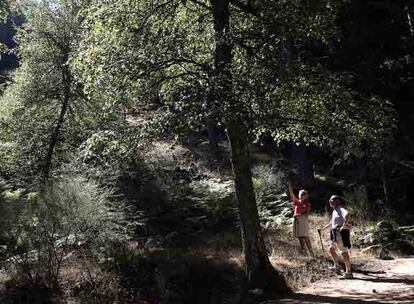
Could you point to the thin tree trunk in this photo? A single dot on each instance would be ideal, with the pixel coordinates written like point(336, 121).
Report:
point(384, 183)
point(260, 273)
point(410, 19)
point(66, 82)
point(212, 138)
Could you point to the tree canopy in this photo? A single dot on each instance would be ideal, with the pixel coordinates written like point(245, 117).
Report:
point(164, 51)
point(252, 70)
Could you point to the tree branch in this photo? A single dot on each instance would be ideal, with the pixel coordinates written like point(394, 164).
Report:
point(201, 4)
point(248, 8)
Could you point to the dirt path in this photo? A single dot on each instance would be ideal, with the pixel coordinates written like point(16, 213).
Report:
point(393, 283)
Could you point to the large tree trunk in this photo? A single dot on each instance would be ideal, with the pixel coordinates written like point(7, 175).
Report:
point(66, 86)
point(258, 266)
point(260, 273)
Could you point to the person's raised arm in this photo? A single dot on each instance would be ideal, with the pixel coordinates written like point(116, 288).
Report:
point(291, 194)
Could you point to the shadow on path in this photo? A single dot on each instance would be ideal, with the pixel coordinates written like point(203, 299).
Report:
point(367, 272)
point(407, 281)
point(308, 299)
point(356, 299)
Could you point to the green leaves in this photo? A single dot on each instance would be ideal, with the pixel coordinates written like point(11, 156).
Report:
point(159, 54)
point(4, 9)
point(324, 112)
point(162, 51)
point(3, 49)
point(32, 103)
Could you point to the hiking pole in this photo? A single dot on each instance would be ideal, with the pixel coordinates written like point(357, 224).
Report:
point(320, 238)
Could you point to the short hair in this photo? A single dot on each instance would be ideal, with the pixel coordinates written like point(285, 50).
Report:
point(335, 198)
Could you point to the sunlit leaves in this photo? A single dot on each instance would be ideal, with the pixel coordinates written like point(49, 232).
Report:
point(161, 52)
point(32, 103)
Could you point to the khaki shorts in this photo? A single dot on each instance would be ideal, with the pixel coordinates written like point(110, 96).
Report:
point(301, 226)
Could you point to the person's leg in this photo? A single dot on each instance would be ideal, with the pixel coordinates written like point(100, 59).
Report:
point(347, 261)
point(333, 249)
point(345, 247)
point(309, 245)
point(348, 274)
point(345, 250)
point(302, 245)
point(335, 258)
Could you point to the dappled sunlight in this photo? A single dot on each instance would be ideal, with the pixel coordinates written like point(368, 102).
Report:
point(366, 287)
point(185, 152)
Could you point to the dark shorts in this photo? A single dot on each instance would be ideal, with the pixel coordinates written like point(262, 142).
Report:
point(343, 237)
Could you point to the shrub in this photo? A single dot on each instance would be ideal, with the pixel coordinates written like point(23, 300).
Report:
point(268, 180)
point(108, 149)
point(96, 286)
point(358, 204)
point(11, 208)
point(69, 213)
point(171, 178)
point(214, 195)
point(107, 153)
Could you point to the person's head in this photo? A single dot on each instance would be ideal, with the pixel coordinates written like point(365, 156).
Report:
point(335, 201)
point(303, 195)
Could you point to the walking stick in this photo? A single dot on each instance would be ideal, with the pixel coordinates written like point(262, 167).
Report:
point(320, 238)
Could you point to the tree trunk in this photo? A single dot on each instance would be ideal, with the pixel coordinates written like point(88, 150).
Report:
point(384, 183)
point(212, 138)
point(410, 19)
point(260, 273)
point(66, 83)
point(257, 261)
point(360, 169)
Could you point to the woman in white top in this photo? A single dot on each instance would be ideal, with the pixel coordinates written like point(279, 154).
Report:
point(340, 235)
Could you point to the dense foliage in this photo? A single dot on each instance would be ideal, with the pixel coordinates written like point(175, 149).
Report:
point(40, 228)
point(165, 52)
point(101, 83)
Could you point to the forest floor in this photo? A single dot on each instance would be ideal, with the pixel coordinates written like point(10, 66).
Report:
point(377, 282)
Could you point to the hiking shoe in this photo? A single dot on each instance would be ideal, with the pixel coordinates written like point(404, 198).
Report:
point(347, 275)
point(335, 268)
